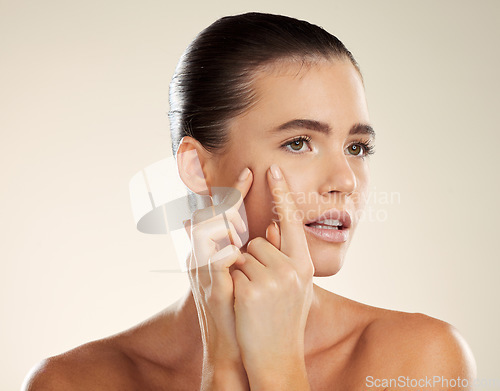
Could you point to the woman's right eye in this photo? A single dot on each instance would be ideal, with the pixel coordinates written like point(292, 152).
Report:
point(295, 145)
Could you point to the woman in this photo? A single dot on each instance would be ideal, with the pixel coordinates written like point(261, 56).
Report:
point(275, 108)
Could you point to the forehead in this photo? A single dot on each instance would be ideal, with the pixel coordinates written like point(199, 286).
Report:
point(326, 91)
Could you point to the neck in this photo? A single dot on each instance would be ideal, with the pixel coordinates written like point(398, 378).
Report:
point(325, 323)
point(321, 317)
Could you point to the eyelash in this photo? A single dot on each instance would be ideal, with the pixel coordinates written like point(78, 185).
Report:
point(367, 146)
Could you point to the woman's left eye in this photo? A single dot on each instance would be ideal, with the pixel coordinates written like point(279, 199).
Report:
point(361, 148)
point(296, 144)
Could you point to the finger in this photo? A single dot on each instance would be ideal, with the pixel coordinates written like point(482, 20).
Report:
point(224, 258)
point(253, 269)
point(231, 207)
point(242, 185)
point(233, 202)
point(273, 234)
point(216, 272)
point(231, 231)
point(237, 219)
point(236, 212)
point(208, 235)
point(240, 283)
point(234, 195)
point(221, 262)
point(293, 237)
point(211, 236)
point(216, 212)
point(264, 251)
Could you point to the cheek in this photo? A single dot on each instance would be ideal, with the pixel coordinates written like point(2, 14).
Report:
point(303, 183)
point(297, 176)
point(259, 198)
point(259, 206)
point(363, 184)
point(361, 197)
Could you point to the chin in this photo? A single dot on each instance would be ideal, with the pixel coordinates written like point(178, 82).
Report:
point(327, 261)
point(328, 258)
point(327, 267)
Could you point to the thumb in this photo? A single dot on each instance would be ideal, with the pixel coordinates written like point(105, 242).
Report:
point(273, 235)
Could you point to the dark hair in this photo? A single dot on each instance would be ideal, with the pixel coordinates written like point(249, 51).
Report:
point(213, 80)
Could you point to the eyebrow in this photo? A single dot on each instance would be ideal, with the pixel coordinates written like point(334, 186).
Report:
point(322, 127)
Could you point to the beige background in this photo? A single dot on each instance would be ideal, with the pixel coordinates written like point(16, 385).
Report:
point(83, 108)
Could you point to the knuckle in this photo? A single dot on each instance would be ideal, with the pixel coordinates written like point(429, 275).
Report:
point(307, 269)
point(290, 276)
point(246, 256)
point(250, 296)
point(287, 273)
point(273, 285)
point(216, 266)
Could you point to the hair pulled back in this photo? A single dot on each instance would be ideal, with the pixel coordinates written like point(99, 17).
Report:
point(212, 83)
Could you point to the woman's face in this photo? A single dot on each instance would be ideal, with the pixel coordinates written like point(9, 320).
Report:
point(327, 172)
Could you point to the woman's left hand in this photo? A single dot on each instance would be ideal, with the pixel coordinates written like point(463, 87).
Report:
point(273, 292)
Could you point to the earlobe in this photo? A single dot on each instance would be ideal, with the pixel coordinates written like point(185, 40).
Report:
point(190, 159)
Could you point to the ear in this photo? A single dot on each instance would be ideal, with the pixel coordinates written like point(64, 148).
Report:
point(192, 159)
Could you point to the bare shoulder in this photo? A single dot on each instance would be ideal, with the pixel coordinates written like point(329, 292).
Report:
point(416, 344)
point(97, 365)
point(141, 357)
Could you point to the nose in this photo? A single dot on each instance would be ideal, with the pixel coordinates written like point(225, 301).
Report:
point(338, 176)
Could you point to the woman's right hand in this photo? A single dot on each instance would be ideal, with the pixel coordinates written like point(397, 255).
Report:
point(212, 255)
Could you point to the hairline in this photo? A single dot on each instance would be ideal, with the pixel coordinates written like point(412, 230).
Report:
point(280, 66)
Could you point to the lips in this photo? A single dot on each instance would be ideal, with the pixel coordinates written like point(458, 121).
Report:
point(334, 214)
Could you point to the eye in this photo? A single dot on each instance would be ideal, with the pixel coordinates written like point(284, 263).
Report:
point(361, 148)
point(296, 145)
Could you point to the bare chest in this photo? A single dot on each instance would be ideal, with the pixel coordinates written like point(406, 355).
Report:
point(336, 369)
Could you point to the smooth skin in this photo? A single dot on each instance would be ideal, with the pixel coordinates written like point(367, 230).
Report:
point(284, 332)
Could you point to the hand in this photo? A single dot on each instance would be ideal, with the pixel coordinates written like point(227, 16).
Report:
point(273, 293)
point(209, 264)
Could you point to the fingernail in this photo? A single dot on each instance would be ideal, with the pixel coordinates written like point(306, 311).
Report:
point(276, 172)
point(244, 174)
point(276, 225)
point(225, 252)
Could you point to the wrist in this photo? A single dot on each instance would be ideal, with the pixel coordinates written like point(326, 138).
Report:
point(281, 374)
point(273, 360)
point(225, 355)
point(222, 375)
